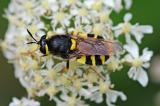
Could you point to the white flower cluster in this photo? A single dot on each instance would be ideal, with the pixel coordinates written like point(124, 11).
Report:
point(43, 75)
point(24, 102)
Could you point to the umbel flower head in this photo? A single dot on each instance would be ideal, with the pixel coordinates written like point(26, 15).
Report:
point(44, 75)
point(24, 102)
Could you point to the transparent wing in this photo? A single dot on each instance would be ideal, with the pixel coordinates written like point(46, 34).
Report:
point(98, 47)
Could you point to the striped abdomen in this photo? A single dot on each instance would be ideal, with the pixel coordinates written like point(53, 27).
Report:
point(92, 60)
point(94, 52)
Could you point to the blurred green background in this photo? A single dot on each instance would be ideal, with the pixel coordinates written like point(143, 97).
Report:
point(144, 12)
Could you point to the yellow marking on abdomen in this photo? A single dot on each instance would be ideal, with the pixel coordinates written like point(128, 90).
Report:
point(73, 44)
point(102, 57)
point(93, 60)
point(82, 59)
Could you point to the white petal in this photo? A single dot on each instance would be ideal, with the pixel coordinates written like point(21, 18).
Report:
point(59, 102)
point(88, 3)
point(139, 31)
point(24, 102)
point(127, 17)
point(29, 102)
point(128, 4)
point(128, 58)
point(88, 28)
point(85, 93)
point(60, 30)
point(118, 32)
point(81, 103)
point(66, 22)
point(138, 35)
point(146, 56)
point(142, 77)
point(113, 95)
point(58, 67)
point(109, 3)
point(85, 20)
point(97, 97)
point(132, 48)
point(138, 74)
point(64, 97)
point(14, 102)
point(119, 26)
point(145, 29)
point(118, 29)
point(128, 37)
point(49, 63)
point(146, 65)
point(118, 5)
point(79, 72)
point(74, 12)
point(132, 73)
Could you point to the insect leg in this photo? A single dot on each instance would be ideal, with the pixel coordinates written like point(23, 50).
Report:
point(65, 68)
point(67, 64)
point(98, 73)
point(66, 31)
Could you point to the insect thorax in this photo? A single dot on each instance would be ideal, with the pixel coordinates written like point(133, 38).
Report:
point(59, 45)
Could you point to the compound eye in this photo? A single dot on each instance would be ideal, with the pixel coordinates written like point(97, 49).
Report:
point(42, 49)
point(43, 43)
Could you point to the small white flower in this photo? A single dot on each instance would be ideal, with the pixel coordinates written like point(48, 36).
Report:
point(128, 29)
point(111, 96)
point(24, 102)
point(117, 4)
point(69, 101)
point(97, 93)
point(138, 63)
point(61, 18)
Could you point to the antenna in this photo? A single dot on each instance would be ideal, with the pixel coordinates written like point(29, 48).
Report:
point(31, 42)
point(32, 37)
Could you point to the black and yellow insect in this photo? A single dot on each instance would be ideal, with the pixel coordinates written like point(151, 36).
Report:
point(88, 49)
